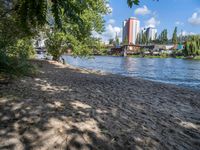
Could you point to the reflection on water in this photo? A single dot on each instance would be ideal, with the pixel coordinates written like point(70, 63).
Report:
point(175, 71)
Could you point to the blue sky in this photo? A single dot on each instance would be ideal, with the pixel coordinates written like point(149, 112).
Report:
point(185, 14)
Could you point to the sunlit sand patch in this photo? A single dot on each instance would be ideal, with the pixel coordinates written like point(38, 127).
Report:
point(63, 132)
point(90, 125)
point(60, 65)
point(189, 125)
point(47, 87)
point(7, 99)
point(101, 111)
point(78, 104)
point(56, 104)
point(50, 88)
point(19, 105)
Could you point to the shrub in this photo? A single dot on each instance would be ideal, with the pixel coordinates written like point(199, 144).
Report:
point(23, 49)
point(58, 43)
point(55, 44)
point(14, 59)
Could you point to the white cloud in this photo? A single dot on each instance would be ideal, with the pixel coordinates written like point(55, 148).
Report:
point(178, 23)
point(110, 9)
point(142, 11)
point(111, 21)
point(195, 18)
point(185, 33)
point(110, 33)
point(96, 34)
point(152, 22)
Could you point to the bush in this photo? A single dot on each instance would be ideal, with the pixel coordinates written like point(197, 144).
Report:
point(14, 60)
point(23, 49)
point(164, 55)
point(56, 44)
point(13, 66)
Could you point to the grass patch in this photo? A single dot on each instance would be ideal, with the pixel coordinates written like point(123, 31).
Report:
point(12, 67)
point(197, 58)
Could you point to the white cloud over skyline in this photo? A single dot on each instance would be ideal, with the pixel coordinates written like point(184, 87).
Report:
point(111, 21)
point(142, 11)
point(179, 23)
point(195, 19)
point(110, 32)
point(152, 22)
point(185, 33)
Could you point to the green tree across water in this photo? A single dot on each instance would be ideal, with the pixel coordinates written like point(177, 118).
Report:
point(192, 46)
point(175, 38)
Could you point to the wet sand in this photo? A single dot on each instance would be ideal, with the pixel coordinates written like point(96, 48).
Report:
point(68, 108)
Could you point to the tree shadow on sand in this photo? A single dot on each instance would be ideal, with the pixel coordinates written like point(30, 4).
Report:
point(65, 108)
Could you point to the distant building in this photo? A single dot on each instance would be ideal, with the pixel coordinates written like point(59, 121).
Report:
point(131, 29)
point(151, 33)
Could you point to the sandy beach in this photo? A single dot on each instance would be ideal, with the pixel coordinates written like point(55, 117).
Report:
point(74, 109)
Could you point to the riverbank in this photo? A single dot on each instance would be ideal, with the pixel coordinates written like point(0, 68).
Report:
point(68, 108)
point(155, 56)
point(164, 56)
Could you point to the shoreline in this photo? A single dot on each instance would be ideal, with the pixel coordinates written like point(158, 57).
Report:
point(197, 58)
point(100, 72)
point(134, 77)
point(73, 108)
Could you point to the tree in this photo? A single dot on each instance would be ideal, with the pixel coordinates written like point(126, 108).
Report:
point(174, 38)
point(15, 42)
point(111, 41)
point(125, 41)
point(56, 44)
point(133, 2)
point(192, 46)
point(144, 38)
point(116, 40)
point(35, 12)
point(138, 40)
point(72, 21)
point(163, 39)
point(74, 17)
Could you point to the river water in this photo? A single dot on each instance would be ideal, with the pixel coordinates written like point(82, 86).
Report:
point(180, 72)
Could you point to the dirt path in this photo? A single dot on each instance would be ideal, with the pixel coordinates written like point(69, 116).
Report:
point(66, 108)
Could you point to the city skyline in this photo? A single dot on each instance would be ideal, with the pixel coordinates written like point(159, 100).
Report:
point(185, 14)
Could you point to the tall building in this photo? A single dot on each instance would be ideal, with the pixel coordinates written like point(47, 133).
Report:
point(151, 33)
point(131, 29)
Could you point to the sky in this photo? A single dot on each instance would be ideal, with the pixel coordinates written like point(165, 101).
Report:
point(162, 14)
